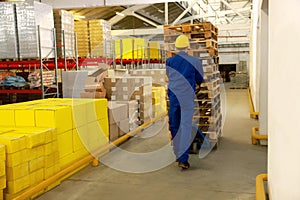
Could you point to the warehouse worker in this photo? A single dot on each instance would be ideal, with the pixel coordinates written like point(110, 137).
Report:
point(183, 72)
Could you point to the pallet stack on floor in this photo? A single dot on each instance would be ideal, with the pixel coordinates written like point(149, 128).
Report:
point(203, 45)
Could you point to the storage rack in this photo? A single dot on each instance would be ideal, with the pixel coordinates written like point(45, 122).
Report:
point(203, 45)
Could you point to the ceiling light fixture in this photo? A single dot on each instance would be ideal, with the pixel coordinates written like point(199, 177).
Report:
point(161, 11)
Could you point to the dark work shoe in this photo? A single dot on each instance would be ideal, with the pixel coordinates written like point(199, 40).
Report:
point(184, 165)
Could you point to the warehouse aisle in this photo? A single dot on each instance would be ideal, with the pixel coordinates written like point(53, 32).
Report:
point(225, 174)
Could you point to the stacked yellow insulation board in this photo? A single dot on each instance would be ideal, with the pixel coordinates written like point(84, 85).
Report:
point(44, 136)
point(159, 103)
point(100, 38)
point(2, 170)
point(137, 48)
point(81, 29)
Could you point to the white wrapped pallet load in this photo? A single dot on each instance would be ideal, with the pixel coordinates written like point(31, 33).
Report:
point(64, 20)
point(8, 41)
point(44, 18)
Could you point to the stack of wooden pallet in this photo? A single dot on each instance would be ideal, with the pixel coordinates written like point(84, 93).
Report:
point(203, 45)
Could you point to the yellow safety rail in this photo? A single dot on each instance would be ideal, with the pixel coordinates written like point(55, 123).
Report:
point(255, 136)
point(93, 157)
point(260, 187)
point(253, 114)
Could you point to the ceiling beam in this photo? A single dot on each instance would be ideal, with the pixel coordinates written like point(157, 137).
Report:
point(138, 32)
point(220, 13)
point(144, 19)
point(234, 10)
point(184, 12)
point(125, 13)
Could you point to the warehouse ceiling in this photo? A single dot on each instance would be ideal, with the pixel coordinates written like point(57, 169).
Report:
point(219, 12)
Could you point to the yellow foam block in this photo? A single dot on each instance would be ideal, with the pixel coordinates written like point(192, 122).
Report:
point(101, 108)
point(81, 153)
point(36, 164)
point(7, 116)
point(58, 117)
point(2, 168)
point(77, 142)
point(104, 126)
point(91, 114)
point(16, 172)
point(155, 101)
point(79, 114)
point(36, 177)
point(67, 160)
point(50, 171)
point(1, 195)
point(44, 135)
point(2, 182)
point(18, 185)
point(16, 158)
point(65, 143)
point(2, 152)
point(52, 159)
point(36, 152)
point(24, 117)
point(13, 142)
point(51, 147)
point(96, 137)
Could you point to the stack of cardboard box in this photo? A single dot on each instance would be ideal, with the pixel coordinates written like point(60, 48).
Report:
point(158, 75)
point(94, 85)
point(131, 88)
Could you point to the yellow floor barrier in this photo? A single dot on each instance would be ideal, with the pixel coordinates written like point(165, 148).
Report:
point(253, 114)
point(255, 136)
point(260, 187)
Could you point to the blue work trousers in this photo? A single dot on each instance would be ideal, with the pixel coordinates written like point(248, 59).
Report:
point(180, 123)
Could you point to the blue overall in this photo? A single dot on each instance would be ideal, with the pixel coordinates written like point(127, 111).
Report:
point(183, 72)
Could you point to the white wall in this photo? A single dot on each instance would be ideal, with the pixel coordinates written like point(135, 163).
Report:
point(284, 99)
point(263, 63)
point(227, 58)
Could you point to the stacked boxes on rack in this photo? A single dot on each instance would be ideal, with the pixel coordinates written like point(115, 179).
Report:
point(8, 41)
point(21, 19)
point(153, 51)
point(137, 48)
point(45, 136)
point(158, 75)
point(203, 44)
point(100, 38)
point(81, 29)
point(64, 21)
point(159, 103)
point(131, 88)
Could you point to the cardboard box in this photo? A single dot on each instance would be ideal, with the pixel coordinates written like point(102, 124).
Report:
point(92, 95)
point(113, 131)
point(117, 112)
point(124, 127)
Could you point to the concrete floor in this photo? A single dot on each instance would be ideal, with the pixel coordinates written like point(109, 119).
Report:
point(227, 173)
